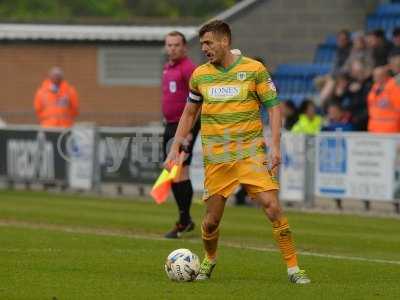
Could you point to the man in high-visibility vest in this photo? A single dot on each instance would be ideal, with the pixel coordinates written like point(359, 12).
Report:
point(56, 101)
point(384, 99)
point(380, 109)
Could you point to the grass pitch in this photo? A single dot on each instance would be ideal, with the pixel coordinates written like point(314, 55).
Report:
point(66, 247)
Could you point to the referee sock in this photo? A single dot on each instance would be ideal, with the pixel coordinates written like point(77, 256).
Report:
point(183, 193)
point(283, 236)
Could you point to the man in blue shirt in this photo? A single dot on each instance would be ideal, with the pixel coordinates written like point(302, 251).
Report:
point(337, 119)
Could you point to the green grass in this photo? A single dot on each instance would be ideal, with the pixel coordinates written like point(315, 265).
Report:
point(68, 247)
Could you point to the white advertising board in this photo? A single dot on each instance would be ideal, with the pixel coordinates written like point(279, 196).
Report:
point(292, 171)
point(351, 165)
point(81, 148)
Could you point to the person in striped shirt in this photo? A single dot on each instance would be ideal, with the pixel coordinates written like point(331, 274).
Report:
point(229, 91)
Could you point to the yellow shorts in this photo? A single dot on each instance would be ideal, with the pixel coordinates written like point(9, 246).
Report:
point(252, 172)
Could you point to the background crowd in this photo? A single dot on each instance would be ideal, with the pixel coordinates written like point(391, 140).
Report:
point(362, 93)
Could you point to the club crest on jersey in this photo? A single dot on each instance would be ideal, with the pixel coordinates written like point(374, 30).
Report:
point(241, 76)
point(271, 85)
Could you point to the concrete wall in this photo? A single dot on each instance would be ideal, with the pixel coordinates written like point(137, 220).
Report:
point(282, 31)
point(24, 66)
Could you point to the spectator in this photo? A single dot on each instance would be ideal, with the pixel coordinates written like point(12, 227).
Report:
point(355, 99)
point(395, 41)
point(337, 119)
point(326, 83)
point(394, 83)
point(379, 47)
point(289, 114)
point(56, 101)
point(341, 87)
point(338, 91)
point(383, 116)
point(386, 112)
point(343, 43)
point(309, 122)
point(359, 51)
point(394, 63)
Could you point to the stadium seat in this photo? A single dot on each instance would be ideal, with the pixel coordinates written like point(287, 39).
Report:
point(331, 40)
point(388, 9)
point(325, 54)
point(295, 81)
point(298, 99)
point(302, 69)
point(387, 23)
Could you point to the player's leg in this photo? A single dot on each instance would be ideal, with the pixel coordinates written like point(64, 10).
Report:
point(215, 206)
point(220, 181)
point(210, 227)
point(262, 185)
point(282, 234)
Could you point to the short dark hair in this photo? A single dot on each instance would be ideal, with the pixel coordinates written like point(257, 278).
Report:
point(396, 32)
point(305, 104)
point(336, 103)
point(394, 52)
point(290, 104)
point(379, 33)
point(178, 33)
point(345, 32)
point(216, 26)
point(259, 59)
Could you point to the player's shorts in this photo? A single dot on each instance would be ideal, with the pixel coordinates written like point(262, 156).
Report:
point(169, 133)
point(252, 172)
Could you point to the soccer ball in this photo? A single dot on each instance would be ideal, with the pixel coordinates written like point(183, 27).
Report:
point(182, 265)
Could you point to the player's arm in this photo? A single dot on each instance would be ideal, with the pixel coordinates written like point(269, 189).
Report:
point(186, 122)
point(274, 113)
point(267, 94)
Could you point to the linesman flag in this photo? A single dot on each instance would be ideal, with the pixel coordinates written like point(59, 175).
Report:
point(162, 187)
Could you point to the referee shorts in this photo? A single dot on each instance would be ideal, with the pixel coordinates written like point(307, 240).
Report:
point(169, 134)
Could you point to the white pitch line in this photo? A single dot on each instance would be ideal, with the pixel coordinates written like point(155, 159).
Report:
point(322, 255)
point(116, 233)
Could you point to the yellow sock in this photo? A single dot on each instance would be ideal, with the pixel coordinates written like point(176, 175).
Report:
point(210, 241)
point(283, 237)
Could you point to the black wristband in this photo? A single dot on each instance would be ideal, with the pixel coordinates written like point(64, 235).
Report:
point(184, 148)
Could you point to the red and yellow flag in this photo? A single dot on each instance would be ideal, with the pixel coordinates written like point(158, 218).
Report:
point(162, 187)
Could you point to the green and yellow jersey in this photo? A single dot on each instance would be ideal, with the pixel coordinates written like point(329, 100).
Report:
point(231, 125)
